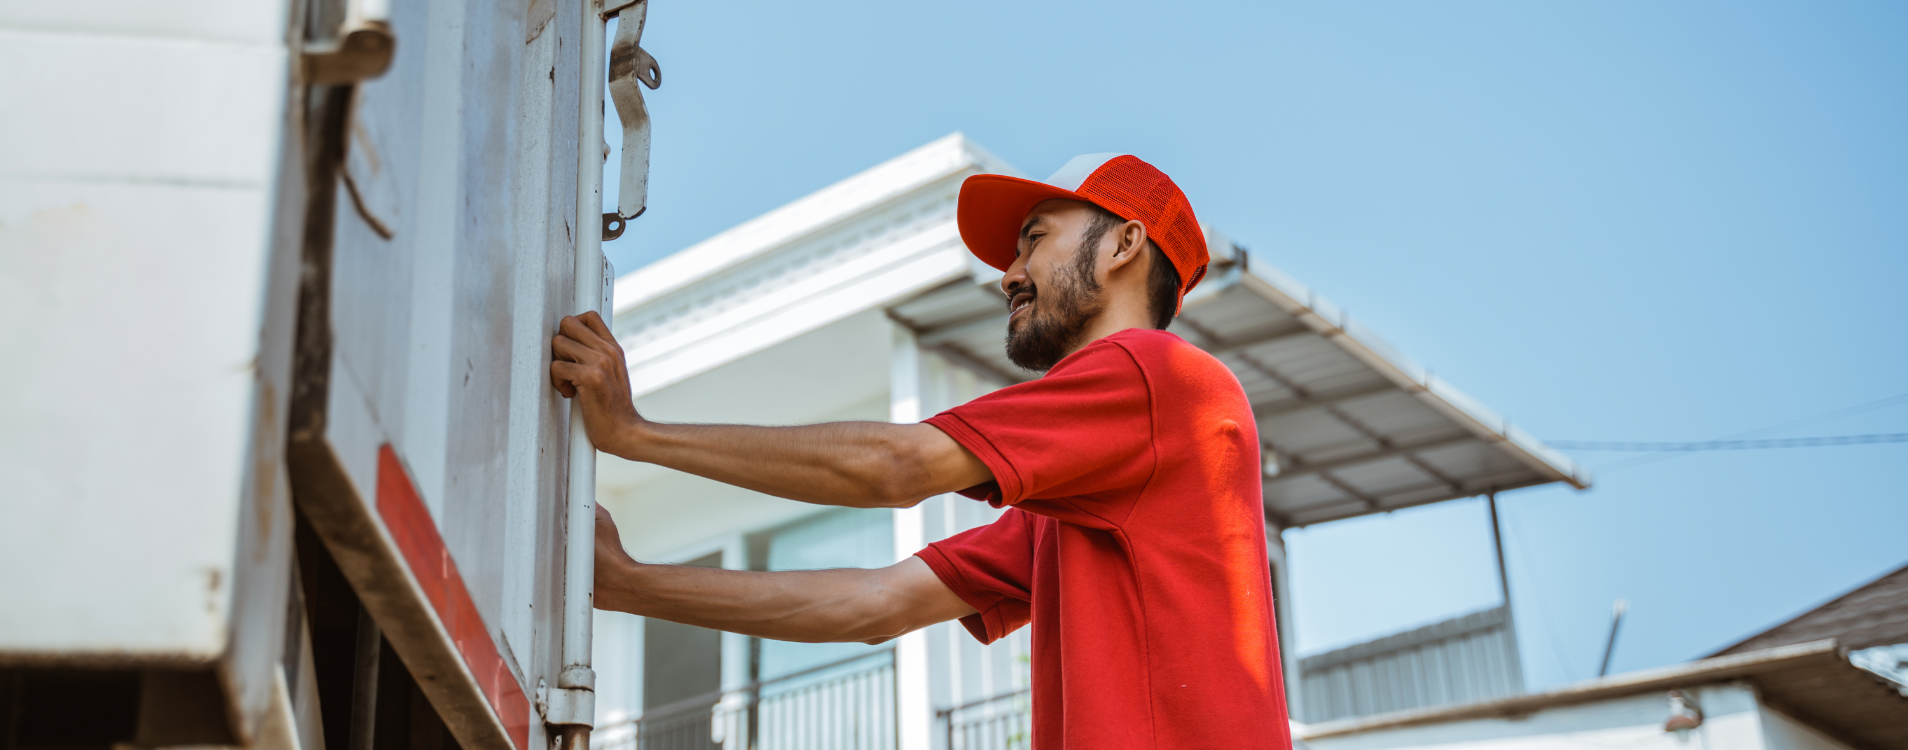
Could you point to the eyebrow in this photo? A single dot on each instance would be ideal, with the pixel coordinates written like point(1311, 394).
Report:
point(1028, 227)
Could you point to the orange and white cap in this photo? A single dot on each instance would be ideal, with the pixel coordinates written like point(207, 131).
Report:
point(992, 208)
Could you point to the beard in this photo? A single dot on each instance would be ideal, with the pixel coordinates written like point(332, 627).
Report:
point(1057, 315)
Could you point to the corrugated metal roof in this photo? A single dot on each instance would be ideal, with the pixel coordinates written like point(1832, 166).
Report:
point(1874, 614)
point(1460, 660)
point(1350, 426)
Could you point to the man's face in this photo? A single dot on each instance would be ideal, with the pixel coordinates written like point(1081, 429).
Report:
point(1052, 293)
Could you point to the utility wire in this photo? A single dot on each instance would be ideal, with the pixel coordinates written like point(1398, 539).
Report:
point(1729, 445)
point(1662, 455)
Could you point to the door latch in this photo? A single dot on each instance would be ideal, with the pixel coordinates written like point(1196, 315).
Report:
point(630, 69)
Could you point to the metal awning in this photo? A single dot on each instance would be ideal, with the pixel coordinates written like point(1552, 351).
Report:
point(1349, 426)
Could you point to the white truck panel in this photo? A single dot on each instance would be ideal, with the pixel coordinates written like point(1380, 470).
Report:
point(214, 21)
point(146, 292)
point(159, 264)
point(141, 263)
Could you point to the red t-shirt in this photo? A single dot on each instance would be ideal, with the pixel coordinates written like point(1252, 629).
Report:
point(1135, 545)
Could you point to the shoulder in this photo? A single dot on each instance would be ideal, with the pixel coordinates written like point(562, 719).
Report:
point(1166, 355)
point(1180, 372)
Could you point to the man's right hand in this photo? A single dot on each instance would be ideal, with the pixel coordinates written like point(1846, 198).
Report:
point(588, 364)
point(612, 564)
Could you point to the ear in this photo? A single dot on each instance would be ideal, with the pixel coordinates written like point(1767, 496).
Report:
point(1129, 244)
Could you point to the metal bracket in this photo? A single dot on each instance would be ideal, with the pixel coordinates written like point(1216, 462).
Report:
point(361, 50)
point(631, 68)
point(608, 9)
point(572, 706)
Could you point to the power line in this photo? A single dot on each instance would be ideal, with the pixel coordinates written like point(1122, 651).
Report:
point(1729, 445)
point(1823, 417)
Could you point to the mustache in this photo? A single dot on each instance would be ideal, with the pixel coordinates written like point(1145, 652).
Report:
point(1016, 290)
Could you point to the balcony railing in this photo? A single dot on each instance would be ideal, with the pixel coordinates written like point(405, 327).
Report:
point(842, 705)
point(997, 723)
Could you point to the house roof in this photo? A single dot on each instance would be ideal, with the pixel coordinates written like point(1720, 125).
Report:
point(1874, 614)
point(1350, 426)
point(1813, 682)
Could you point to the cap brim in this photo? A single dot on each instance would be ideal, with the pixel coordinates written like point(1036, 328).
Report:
point(991, 210)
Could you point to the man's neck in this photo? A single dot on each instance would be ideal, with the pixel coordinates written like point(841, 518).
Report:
point(1110, 322)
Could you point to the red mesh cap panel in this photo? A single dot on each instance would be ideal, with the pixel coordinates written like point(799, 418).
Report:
point(1136, 191)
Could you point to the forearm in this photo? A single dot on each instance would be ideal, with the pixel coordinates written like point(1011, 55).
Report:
point(810, 606)
point(856, 464)
point(853, 464)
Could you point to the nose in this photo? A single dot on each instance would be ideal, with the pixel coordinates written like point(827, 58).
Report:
point(1015, 278)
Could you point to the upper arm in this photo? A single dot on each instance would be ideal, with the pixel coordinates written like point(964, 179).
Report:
point(942, 464)
point(1082, 430)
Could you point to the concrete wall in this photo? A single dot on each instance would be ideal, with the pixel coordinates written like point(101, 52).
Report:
point(1780, 732)
point(1733, 719)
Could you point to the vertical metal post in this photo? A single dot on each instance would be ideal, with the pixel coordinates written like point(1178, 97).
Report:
point(576, 684)
point(1516, 666)
point(364, 683)
point(1497, 544)
point(1609, 647)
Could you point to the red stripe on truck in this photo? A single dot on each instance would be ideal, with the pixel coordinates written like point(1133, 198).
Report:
point(423, 549)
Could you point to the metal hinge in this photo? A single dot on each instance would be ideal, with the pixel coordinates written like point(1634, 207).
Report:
point(629, 66)
point(361, 49)
point(568, 705)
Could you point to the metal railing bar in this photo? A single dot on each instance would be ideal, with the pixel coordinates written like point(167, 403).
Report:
point(983, 701)
point(706, 700)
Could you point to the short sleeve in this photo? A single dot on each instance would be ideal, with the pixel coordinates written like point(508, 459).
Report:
point(990, 568)
point(1084, 430)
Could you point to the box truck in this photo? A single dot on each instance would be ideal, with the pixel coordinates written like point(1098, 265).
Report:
point(280, 465)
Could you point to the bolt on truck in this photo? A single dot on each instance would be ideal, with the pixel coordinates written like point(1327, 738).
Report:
point(280, 466)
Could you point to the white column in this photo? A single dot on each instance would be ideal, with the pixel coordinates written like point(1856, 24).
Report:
point(914, 719)
point(735, 646)
point(1282, 613)
point(729, 728)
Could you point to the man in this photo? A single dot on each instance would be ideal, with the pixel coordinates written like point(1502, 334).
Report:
point(1134, 539)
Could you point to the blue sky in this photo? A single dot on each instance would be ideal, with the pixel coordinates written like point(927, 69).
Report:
point(1609, 221)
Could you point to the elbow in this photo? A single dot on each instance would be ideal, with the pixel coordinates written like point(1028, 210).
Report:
point(902, 479)
point(888, 491)
point(901, 498)
point(878, 633)
point(880, 613)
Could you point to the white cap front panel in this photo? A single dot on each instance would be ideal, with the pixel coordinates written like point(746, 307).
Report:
point(1078, 169)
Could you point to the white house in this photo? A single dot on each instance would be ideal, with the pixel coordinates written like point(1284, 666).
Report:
point(858, 302)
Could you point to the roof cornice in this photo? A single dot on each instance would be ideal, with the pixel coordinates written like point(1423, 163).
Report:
point(816, 212)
